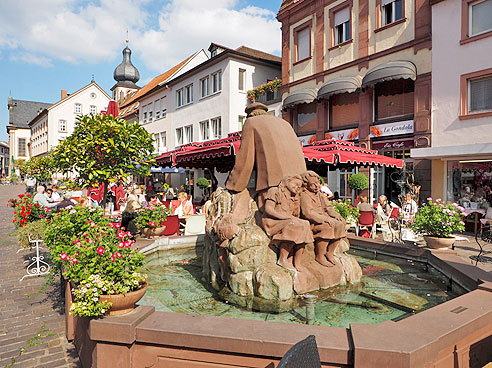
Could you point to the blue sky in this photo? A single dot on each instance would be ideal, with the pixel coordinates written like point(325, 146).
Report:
point(50, 45)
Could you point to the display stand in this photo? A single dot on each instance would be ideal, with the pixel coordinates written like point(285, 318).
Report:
point(38, 267)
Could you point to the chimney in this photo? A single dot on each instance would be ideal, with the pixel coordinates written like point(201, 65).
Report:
point(63, 94)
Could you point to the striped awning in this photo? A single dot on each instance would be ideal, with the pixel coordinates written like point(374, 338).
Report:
point(388, 71)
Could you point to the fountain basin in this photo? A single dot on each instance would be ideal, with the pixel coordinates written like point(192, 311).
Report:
point(455, 332)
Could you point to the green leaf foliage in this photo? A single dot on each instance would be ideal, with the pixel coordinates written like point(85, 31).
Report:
point(358, 182)
point(104, 148)
point(41, 168)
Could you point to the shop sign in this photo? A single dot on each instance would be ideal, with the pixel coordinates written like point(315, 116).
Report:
point(307, 139)
point(346, 135)
point(388, 129)
point(408, 143)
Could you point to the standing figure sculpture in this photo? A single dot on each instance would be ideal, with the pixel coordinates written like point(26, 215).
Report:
point(327, 225)
point(269, 144)
point(281, 221)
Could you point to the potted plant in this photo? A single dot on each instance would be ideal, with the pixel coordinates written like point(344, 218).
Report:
point(97, 257)
point(358, 182)
point(436, 221)
point(13, 178)
point(150, 219)
point(347, 211)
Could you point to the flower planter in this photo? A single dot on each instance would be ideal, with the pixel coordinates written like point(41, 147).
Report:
point(150, 233)
point(436, 242)
point(123, 303)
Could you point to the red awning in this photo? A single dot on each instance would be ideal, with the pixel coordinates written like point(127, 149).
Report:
point(221, 152)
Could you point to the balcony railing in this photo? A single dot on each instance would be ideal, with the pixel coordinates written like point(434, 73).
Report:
point(269, 97)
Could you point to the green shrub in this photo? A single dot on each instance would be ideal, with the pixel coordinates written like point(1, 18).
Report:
point(437, 218)
point(202, 183)
point(346, 210)
point(358, 182)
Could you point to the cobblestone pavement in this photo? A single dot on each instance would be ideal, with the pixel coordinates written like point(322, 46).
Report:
point(32, 327)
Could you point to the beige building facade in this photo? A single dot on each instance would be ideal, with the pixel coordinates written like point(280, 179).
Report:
point(360, 70)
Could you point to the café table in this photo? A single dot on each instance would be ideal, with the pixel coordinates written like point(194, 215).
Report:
point(475, 212)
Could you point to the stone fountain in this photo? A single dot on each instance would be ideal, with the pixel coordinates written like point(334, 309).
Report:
point(265, 246)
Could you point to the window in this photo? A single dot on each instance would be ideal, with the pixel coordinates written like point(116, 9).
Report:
point(189, 94)
point(341, 26)
point(188, 131)
point(476, 94)
point(476, 20)
point(306, 118)
point(180, 97)
point(179, 136)
point(93, 109)
point(62, 126)
point(157, 109)
point(163, 141)
point(344, 110)
point(144, 112)
point(204, 130)
point(216, 127)
point(149, 112)
point(21, 147)
point(302, 40)
point(480, 94)
point(217, 82)
point(391, 11)
point(78, 108)
point(241, 120)
point(204, 87)
point(163, 107)
point(480, 17)
point(394, 99)
point(242, 75)
point(156, 142)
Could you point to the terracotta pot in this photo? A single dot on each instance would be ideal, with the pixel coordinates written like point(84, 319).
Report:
point(150, 233)
point(124, 303)
point(436, 242)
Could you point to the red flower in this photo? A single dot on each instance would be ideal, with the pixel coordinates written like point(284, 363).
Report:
point(64, 256)
point(100, 250)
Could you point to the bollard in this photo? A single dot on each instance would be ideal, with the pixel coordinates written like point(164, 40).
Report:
point(310, 301)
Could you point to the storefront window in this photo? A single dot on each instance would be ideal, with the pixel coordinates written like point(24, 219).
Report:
point(306, 118)
point(394, 99)
point(470, 183)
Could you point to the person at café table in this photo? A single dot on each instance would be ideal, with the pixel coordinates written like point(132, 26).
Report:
point(152, 198)
point(410, 208)
point(185, 207)
point(383, 210)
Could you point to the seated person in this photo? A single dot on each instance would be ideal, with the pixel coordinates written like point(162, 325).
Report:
point(365, 206)
point(383, 210)
point(41, 198)
point(185, 207)
point(327, 225)
point(67, 202)
point(84, 202)
point(48, 193)
point(281, 222)
point(55, 196)
point(409, 208)
point(152, 198)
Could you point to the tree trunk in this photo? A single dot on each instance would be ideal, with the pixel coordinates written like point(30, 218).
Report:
point(105, 194)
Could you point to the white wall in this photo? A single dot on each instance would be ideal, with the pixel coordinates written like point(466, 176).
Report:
point(14, 136)
point(66, 111)
point(449, 61)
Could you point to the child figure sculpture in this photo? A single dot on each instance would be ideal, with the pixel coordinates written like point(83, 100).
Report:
point(281, 221)
point(327, 225)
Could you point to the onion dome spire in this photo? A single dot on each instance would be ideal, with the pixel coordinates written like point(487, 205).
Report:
point(126, 74)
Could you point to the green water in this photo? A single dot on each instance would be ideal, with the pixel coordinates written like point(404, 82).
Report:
point(391, 288)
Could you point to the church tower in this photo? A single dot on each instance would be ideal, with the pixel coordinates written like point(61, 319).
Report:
point(125, 75)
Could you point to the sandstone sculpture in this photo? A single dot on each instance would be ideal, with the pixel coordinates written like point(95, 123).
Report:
point(259, 246)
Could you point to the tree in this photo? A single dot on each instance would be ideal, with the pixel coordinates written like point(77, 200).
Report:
point(41, 168)
point(104, 149)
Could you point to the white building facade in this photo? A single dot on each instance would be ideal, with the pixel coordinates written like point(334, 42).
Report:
point(461, 150)
point(58, 121)
point(206, 101)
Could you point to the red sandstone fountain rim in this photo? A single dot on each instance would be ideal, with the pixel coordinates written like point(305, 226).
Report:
point(415, 341)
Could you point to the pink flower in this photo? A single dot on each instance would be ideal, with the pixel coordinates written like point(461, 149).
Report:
point(429, 198)
point(100, 250)
point(64, 256)
point(121, 245)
